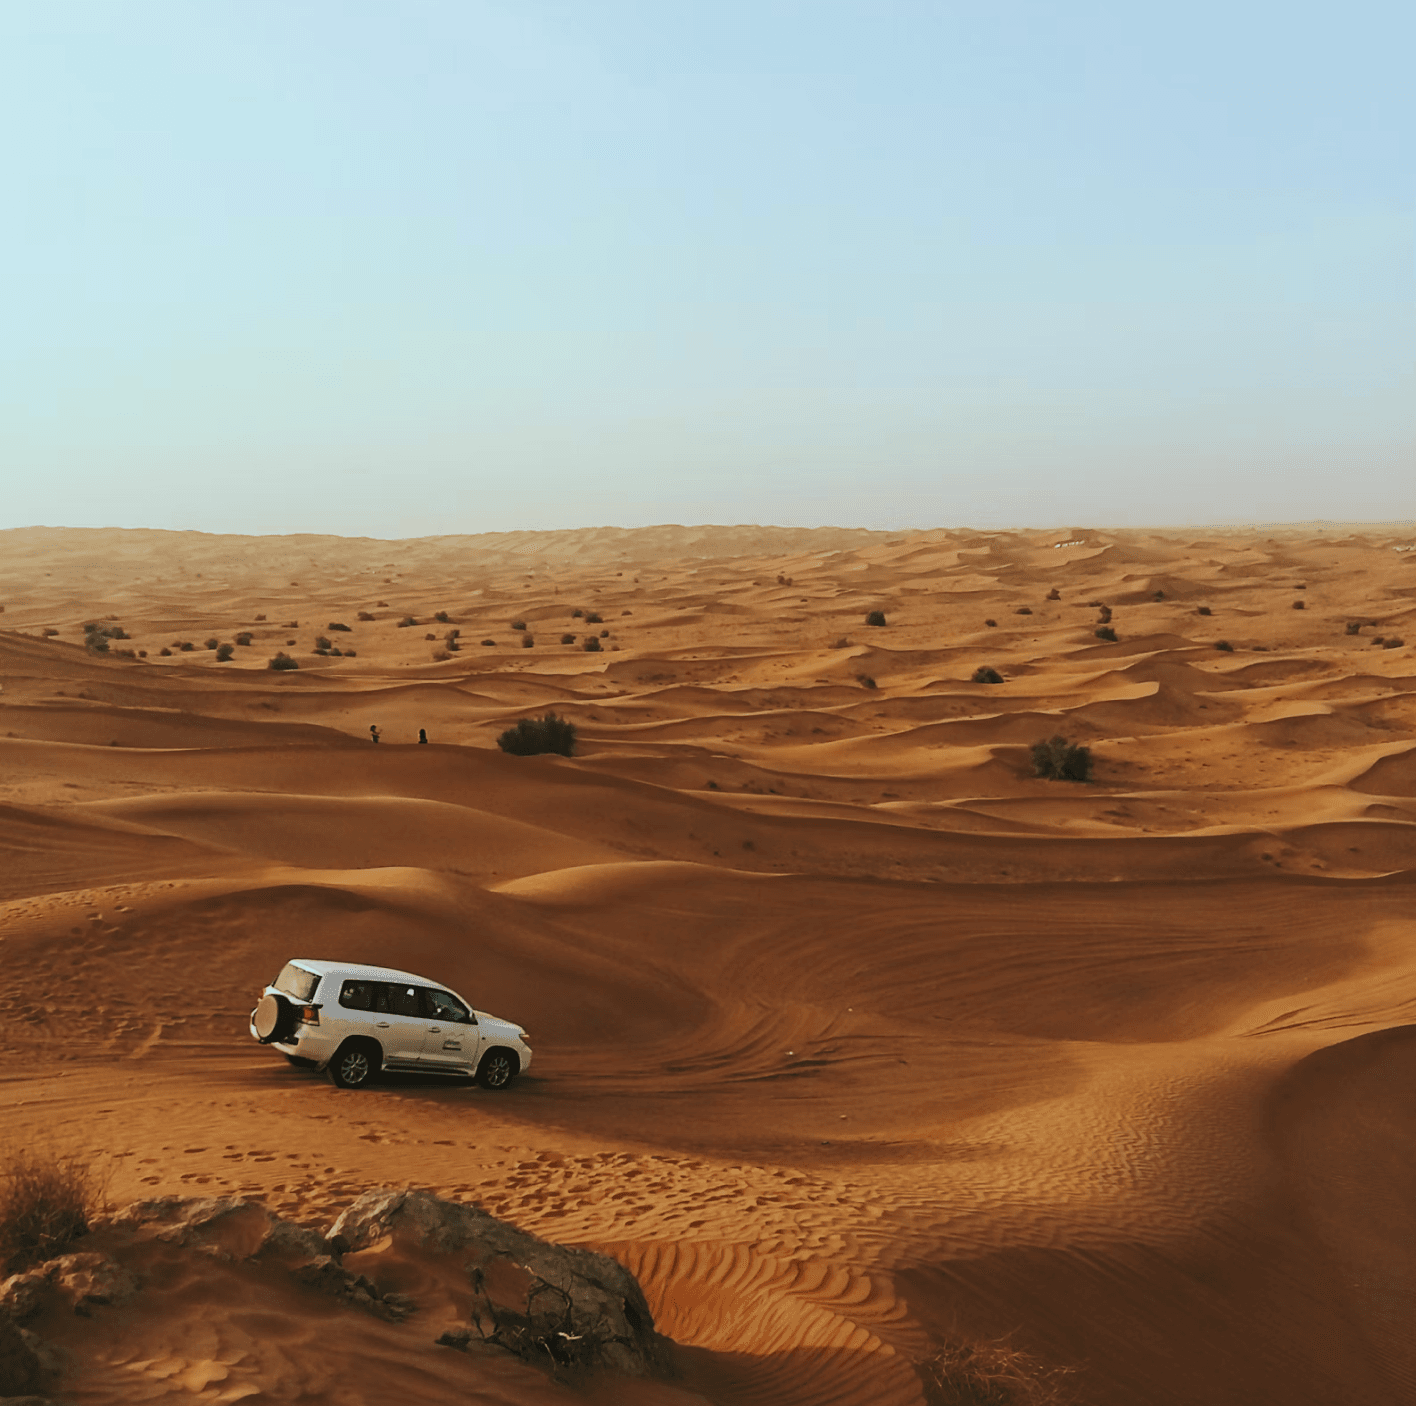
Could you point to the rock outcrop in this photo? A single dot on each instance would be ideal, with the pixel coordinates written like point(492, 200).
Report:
point(543, 1302)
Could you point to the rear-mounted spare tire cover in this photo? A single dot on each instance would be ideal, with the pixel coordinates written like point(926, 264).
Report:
point(275, 1019)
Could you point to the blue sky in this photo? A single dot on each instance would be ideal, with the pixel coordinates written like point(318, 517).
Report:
point(405, 268)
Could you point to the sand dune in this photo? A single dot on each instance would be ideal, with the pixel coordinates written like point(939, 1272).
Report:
point(854, 1036)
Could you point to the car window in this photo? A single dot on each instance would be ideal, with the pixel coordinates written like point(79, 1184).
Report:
point(296, 981)
point(381, 997)
point(357, 995)
point(403, 1000)
point(443, 1005)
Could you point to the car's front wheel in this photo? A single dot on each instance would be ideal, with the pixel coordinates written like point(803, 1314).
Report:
point(355, 1064)
point(497, 1069)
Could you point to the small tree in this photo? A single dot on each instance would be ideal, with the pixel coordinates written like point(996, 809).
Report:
point(283, 661)
point(985, 674)
point(224, 652)
point(875, 617)
point(531, 736)
point(1059, 760)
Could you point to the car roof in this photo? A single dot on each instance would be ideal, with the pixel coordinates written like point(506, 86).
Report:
point(360, 970)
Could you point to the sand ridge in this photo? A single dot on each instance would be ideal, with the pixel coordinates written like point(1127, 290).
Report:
point(853, 1035)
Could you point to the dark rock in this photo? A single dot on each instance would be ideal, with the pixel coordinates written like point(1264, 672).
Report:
point(20, 1369)
point(537, 1300)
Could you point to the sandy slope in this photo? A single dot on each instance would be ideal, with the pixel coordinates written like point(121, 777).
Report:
point(853, 1036)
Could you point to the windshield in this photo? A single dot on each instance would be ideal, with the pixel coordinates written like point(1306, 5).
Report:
point(297, 982)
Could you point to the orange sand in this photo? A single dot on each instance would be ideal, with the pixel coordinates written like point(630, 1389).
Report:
point(852, 1036)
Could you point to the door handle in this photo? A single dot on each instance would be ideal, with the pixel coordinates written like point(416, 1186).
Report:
point(381, 1025)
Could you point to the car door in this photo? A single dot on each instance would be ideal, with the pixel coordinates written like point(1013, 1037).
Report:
point(399, 1024)
point(451, 1037)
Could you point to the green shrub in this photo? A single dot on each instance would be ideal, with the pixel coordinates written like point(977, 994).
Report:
point(283, 661)
point(985, 674)
point(1393, 642)
point(224, 652)
point(1023, 610)
point(1224, 646)
point(865, 681)
point(406, 622)
point(992, 624)
point(527, 642)
point(442, 618)
point(244, 638)
point(1299, 605)
point(164, 650)
point(96, 639)
point(49, 633)
point(1060, 760)
point(337, 625)
point(1105, 632)
point(489, 644)
point(365, 615)
point(186, 646)
point(875, 617)
point(531, 736)
point(518, 624)
point(46, 1203)
point(1354, 627)
point(212, 643)
point(592, 644)
point(594, 618)
point(322, 643)
point(576, 614)
point(567, 639)
point(1203, 610)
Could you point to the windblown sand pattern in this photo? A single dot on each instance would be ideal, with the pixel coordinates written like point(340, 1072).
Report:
point(854, 1037)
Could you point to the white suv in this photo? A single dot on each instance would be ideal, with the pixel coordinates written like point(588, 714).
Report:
point(355, 1021)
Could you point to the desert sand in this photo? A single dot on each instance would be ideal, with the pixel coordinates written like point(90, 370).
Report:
point(854, 1037)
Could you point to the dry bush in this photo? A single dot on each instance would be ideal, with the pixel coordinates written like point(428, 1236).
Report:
point(1056, 759)
point(992, 624)
point(443, 618)
point(527, 642)
point(592, 645)
point(1354, 627)
point(365, 615)
point(1298, 605)
point(1023, 610)
point(244, 638)
point(441, 654)
point(212, 643)
point(224, 652)
point(1203, 610)
point(876, 617)
point(985, 674)
point(1393, 642)
point(518, 624)
point(46, 1203)
point(991, 1374)
point(594, 618)
point(489, 643)
point(567, 639)
point(1224, 645)
point(282, 661)
point(406, 622)
point(1054, 594)
point(1105, 632)
point(532, 736)
point(865, 681)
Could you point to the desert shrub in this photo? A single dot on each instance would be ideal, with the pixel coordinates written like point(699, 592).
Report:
point(1054, 594)
point(453, 634)
point(49, 633)
point(338, 625)
point(126, 653)
point(282, 661)
point(531, 736)
point(1158, 595)
point(212, 643)
point(1224, 645)
point(1023, 610)
point(488, 644)
point(567, 639)
point(323, 643)
point(865, 681)
point(604, 634)
point(260, 617)
point(592, 644)
point(576, 614)
point(164, 651)
point(350, 653)
point(1060, 760)
point(244, 638)
point(224, 652)
point(383, 604)
point(1105, 632)
point(46, 1203)
point(626, 612)
point(992, 624)
point(186, 646)
point(443, 618)
point(1393, 642)
point(406, 622)
point(118, 632)
point(875, 617)
point(292, 642)
point(518, 624)
point(1105, 614)
point(96, 639)
point(1298, 604)
point(441, 654)
point(991, 1374)
point(527, 642)
point(594, 618)
point(1354, 627)
point(1202, 610)
point(142, 654)
point(985, 674)
point(365, 615)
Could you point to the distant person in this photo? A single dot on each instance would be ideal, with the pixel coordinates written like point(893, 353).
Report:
point(422, 734)
point(373, 733)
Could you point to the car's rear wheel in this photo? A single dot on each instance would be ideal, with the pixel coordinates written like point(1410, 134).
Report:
point(355, 1064)
point(497, 1069)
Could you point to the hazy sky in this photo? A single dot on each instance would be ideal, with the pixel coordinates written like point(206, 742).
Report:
point(396, 267)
